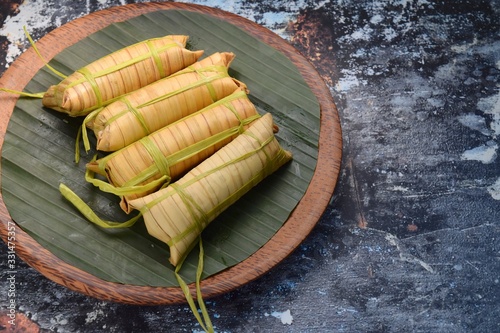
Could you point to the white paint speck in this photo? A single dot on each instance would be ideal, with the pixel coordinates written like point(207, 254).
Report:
point(285, 317)
point(348, 81)
point(405, 3)
point(400, 189)
point(376, 19)
point(475, 122)
point(494, 190)
point(59, 320)
point(92, 316)
point(362, 34)
point(491, 105)
point(390, 34)
point(485, 154)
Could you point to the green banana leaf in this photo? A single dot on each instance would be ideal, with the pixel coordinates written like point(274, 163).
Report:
point(38, 155)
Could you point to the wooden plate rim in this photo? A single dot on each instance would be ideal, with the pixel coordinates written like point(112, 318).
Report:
point(300, 223)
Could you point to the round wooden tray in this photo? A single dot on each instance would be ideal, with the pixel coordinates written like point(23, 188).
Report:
point(294, 231)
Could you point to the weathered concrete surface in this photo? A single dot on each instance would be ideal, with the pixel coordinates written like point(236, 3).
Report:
point(411, 239)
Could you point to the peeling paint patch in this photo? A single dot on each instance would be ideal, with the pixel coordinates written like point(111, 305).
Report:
point(276, 20)
point(400, 189)
point(491, 106)
point(475, 122)
point(35, 16)
point(285, 317)
point(92, 316)
point(494, 190)
point(348, 81)
point(485, 154)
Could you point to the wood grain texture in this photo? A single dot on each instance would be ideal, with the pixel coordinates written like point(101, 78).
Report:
point(295, 230)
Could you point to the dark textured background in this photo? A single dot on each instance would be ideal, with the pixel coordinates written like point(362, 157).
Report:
point(411, 239)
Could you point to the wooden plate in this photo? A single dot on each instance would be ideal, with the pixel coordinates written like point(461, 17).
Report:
point(296, 228)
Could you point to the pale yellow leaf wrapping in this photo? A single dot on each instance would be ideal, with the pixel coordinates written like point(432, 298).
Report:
point(173, 150)
point(163, 102)
point(178, 213)
point(121, 72)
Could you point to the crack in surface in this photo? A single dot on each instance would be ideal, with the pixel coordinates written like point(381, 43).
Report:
point(403, 255)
